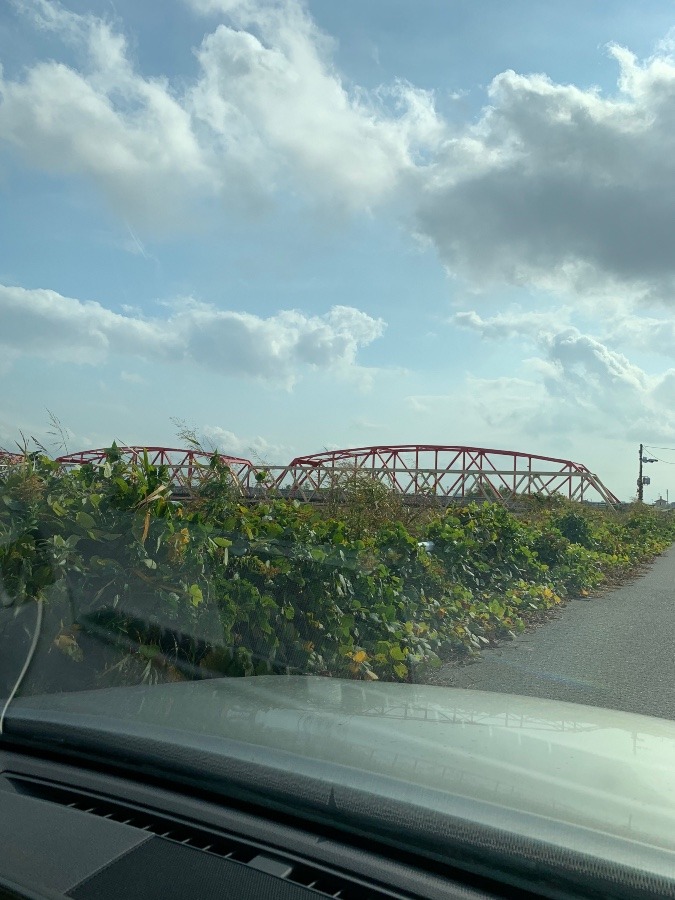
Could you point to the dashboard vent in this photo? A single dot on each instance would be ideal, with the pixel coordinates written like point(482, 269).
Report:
point(324, 882)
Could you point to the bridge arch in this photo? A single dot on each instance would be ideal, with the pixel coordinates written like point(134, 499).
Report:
point(448, 473)
point(186, 468)
point(458, 472)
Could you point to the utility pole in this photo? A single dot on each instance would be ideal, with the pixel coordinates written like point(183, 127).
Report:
point(642, 481)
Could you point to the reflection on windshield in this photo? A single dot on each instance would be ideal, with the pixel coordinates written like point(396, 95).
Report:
point(143, 585)
point(596, 768)
point(317, 231)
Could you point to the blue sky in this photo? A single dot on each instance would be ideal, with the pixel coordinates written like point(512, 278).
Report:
point(305, 225)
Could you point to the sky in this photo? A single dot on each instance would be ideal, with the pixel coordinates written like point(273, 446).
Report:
point(294, 226)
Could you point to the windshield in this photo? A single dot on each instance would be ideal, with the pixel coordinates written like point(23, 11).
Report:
point(336, 360)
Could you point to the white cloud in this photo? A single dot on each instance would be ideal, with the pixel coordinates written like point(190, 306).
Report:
point(618, 327)
point(554, 186)
point(514, 323)
point(577, 385)
point(43, 323)
point(257, 448)
point(267, 111)
point(130, 134)
point(275, 349)
point(562, 188)
point(644, 333)
point(268, 81)
point(132, 378)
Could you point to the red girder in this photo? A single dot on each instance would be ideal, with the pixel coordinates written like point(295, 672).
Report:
point(397, 450)
point(490, 472)
point(184, 466)
point(163, 453)
point(437, 470)
point(9, 459)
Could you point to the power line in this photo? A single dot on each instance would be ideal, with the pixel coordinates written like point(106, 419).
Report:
point(666, 462)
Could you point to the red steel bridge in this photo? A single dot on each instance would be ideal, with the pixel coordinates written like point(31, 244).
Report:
point(9, 459)
point(419, 472)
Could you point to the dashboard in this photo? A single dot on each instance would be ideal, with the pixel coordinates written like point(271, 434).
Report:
point(70, 831)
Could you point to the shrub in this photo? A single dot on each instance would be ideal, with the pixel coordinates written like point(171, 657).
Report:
point(139, 587)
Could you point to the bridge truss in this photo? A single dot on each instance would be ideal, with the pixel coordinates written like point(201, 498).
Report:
point(186, 469)
point(416, 471)
point(8, 459)
point(457, 473)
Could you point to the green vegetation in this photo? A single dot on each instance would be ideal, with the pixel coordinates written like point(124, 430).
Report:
point(138, 587)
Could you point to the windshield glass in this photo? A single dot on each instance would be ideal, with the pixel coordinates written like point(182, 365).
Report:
point(336, 352)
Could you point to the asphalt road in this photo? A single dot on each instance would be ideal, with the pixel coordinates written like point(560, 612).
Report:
point(615, 650)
